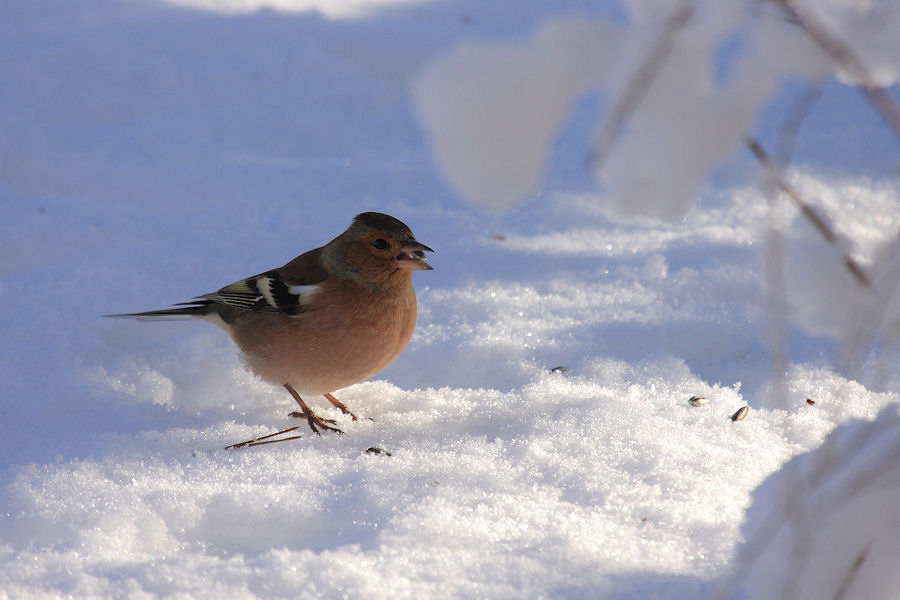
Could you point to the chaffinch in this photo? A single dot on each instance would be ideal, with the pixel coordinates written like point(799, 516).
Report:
point(330, 318)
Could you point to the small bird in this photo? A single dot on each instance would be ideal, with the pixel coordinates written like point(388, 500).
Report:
point(330, 318)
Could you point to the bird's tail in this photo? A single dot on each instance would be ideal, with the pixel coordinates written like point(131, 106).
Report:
point(185, 310)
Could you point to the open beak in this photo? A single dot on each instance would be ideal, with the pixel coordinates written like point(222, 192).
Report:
point(412, 256)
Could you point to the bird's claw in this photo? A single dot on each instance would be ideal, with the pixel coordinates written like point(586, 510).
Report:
point(314, 420)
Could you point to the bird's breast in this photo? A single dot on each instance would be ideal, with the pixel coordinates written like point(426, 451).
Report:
point(344, 335)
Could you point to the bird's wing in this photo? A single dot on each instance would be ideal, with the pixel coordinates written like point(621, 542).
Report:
point(279, 290)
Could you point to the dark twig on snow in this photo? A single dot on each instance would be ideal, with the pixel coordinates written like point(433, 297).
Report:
point(262, 440)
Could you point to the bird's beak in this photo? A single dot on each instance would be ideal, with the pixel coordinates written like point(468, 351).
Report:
point(412, 256)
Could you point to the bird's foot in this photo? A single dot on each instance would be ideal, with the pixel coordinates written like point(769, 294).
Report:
point(313, 419)
point(266, 439)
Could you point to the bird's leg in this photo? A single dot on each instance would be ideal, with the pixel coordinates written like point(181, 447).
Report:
point(312, 418)
point(340, 405)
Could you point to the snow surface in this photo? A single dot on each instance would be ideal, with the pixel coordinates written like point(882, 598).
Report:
point(151, 152)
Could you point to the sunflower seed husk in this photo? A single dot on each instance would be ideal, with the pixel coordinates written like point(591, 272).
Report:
point(376, 450)
point(741, 413)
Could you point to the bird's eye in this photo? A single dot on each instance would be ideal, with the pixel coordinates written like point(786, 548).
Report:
point(380, 244)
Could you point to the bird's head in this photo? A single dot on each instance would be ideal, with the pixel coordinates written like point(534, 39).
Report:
point(376, 246)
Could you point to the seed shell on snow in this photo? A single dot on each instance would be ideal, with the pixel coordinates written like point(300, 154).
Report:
point(376, 450)
point(698, 401)
point(741, 413)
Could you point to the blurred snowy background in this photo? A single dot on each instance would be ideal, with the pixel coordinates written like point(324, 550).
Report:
point(583, 216)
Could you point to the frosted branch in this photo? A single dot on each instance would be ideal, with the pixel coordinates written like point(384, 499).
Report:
point(846, 58)
point(639, 83)
point(811, 215)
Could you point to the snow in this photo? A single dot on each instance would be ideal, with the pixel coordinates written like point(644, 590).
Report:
point(153, 151)
point(508, 100)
